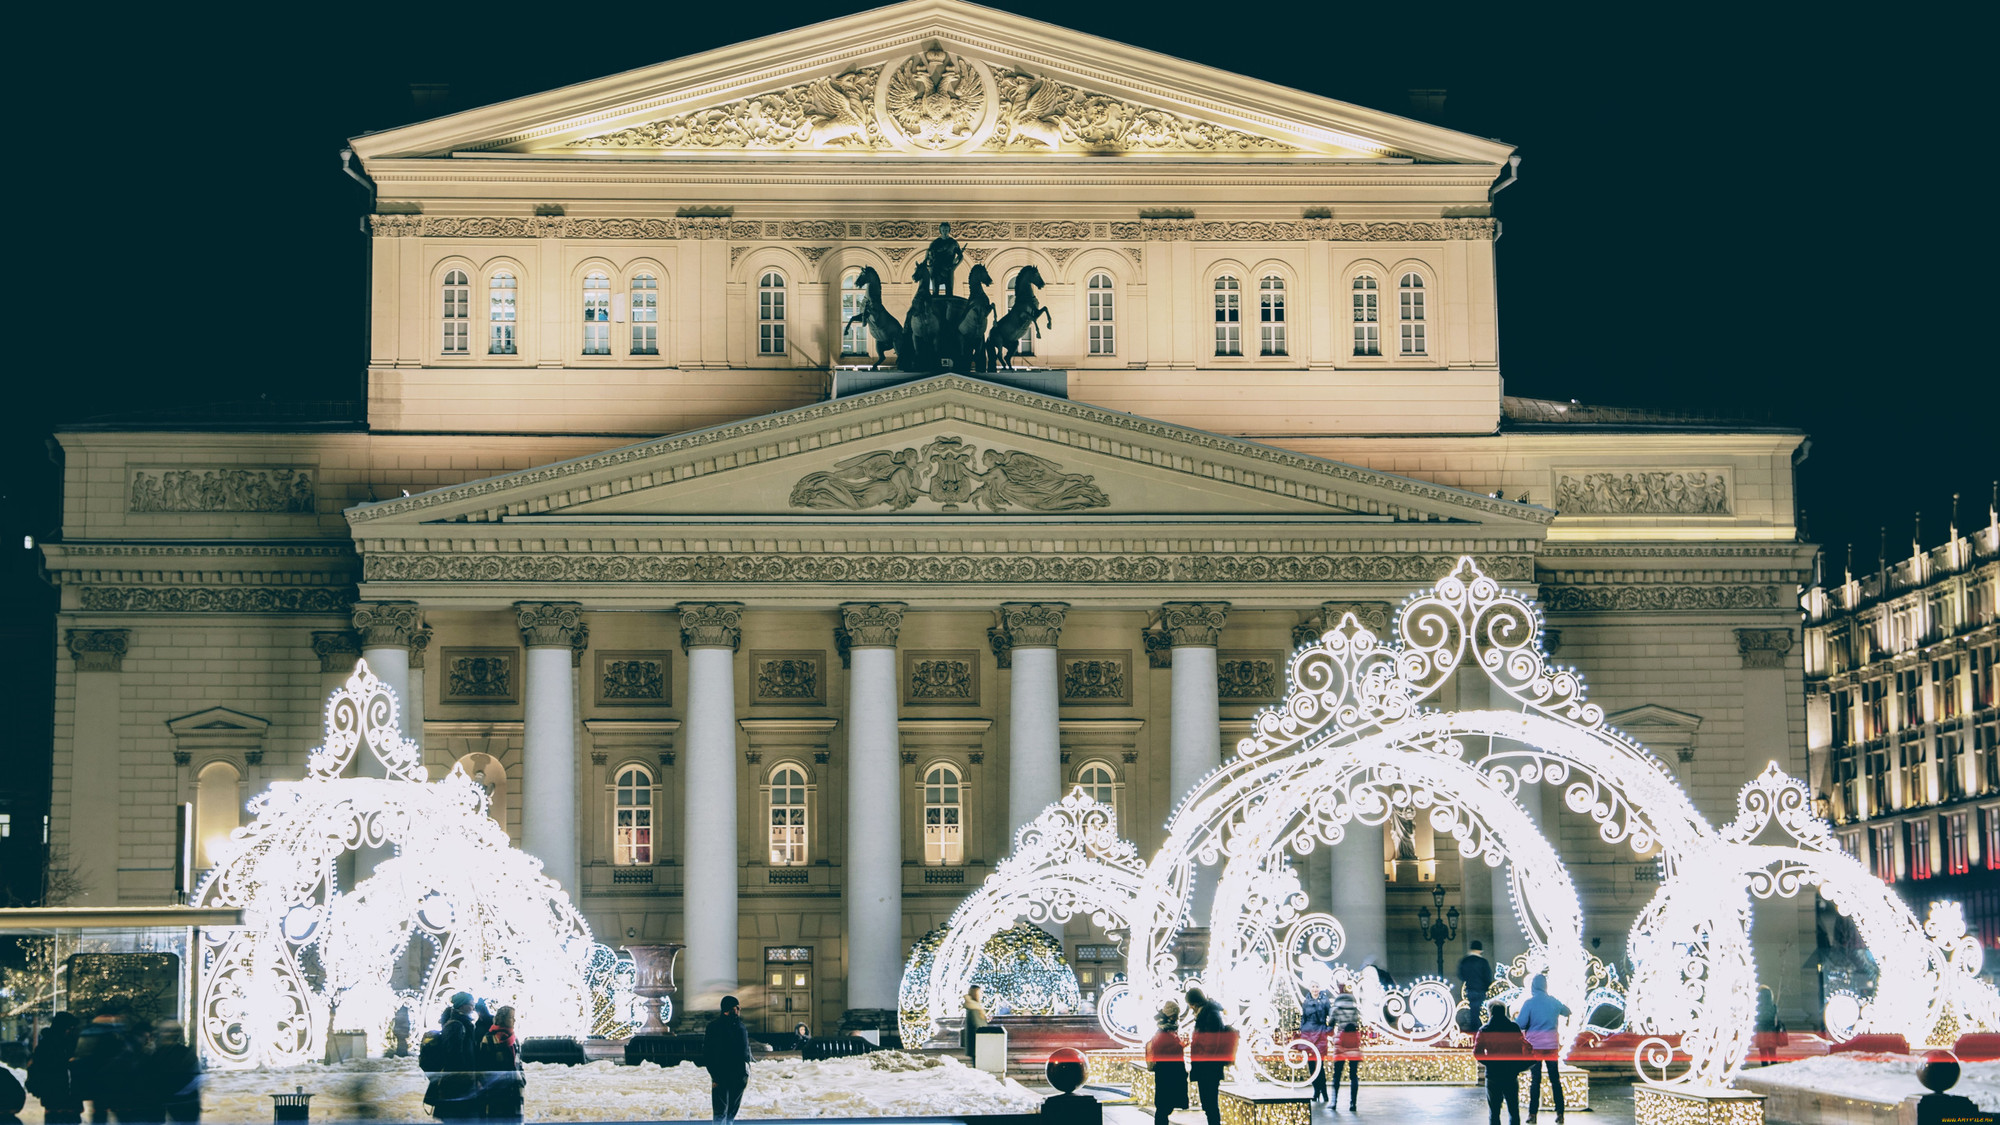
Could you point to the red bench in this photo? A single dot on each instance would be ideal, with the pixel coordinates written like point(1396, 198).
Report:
point(1977, 1046)
point(1873, 1045)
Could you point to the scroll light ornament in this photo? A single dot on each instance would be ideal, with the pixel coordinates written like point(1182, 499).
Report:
point(311, 954)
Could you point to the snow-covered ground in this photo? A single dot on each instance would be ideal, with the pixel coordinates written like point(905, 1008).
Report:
point(1883, 1079)
point(887, 1084)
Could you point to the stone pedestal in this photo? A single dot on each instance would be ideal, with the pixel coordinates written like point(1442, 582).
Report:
point(1665, 1105)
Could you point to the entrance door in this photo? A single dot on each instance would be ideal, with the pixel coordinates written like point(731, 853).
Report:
point(788, 989)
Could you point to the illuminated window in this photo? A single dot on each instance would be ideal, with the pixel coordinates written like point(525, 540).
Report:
point(1957, 858)
point(1915, 765)
point(771, 314)
point(1102, 310)
point(218, 810)
point(944, 837)
point(1945, 677)
point(1989, 848)
point(1410, 314)
point(1920, 847)
point(1951, 764)
point(1367, 316)
point(1228, 316)
point(1027, 344)
point(1876, 766)
point(6, 825)
point(596, 314)
point(502, 313)
point(1885, 853)
point(1844, 763)
point(1096, 782)
point(1874, 709)
point(457, 313)
point(788, 817)
point(645, 315)
point(853, 336)
point(632, 818)
point(1910, 695)
point(1271, 315)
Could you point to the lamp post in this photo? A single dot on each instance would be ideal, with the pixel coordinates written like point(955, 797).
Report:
point(1438, 932)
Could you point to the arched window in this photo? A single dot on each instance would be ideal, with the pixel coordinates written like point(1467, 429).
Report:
point(1027, 346)
point(1410, 313)
point(596, 314)
point(1102, 339)
point(1228, 316)
point(218, 810)
point(1097, 783)
point(645, 315)
point(457, 313)
point(853, 336)
point(788, 817)
point(502, 313)
point(1271, 315)
point(771, 314)
point(1367, 316)
point(944, 837)
point(632, 818)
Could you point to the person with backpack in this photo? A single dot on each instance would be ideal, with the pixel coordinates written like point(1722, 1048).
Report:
point(1211, 1048)
point(1345, 1016)
point(1500, 1047)
point(500, 1073)
point(1166, 1057)
point(449, 1058)
point(48, 1072)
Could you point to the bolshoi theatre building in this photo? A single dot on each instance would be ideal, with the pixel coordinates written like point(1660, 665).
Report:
point(767, 651)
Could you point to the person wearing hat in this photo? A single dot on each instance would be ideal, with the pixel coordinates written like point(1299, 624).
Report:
point(726, 1054)
point(454, 1087)
point(1168, 1062)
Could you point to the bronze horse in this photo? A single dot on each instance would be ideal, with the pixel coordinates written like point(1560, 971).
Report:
point(1021, 319)
point(972, 326)
point(880, 322)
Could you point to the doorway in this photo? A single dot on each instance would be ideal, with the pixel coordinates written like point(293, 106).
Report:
point(788, 988)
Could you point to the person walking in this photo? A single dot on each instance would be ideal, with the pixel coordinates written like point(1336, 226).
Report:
point(13, 1097)
point(1166, 1058)
point(501, 1078)
point(1541, 1015)
point(1500, 1047)
point(103, 1069)
point(1475, 976)
point(1313, 1026)
point(1212, 1047)
point(1345, 1016)
point(450, 1059)
point(170, 1075)
point(975, 1018)
point(1770, 1029)
point(48, 1072)
point(726, 1054)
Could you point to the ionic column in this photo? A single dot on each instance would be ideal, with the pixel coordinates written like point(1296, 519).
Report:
point(91, 835)
point(710, 632)
point(1034, 750)
point(387, 630)
point(874, 876)
point(1195, 739)
point(548, 739)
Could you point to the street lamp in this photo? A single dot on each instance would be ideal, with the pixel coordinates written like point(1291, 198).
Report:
point(1441, 931)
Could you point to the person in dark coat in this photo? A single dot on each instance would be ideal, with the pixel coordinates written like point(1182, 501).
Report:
point(1345, 1016)
point(1313, 1026)
point(454, 1088)
point(975, 1018)
point(1770, 1029)
point(1503, 1050)
point(171, 1076)
point(48, 1072)
point(1210, 1049)
point(104, 1069)
point(1475, 975)
point(1167, 1059)
point(501, 1078)
point(726, 1054)
point(12, 1098)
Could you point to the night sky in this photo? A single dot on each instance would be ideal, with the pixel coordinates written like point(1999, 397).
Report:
point(1726, 210)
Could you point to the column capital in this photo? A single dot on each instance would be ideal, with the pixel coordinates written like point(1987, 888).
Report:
point(337, 650)
point(1763, 648)
point(1033, 624)
point(1003, 646)
point(579, 642)
point(420, 642)
point(872, 624)
point(549, 624)
point(1193, 624)
point(99, 650)
point(387, 624)
point(1159, 648)
point(711, 624)
point(1376, 617)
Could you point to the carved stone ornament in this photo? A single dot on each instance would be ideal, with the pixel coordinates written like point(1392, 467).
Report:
point(1249, 676)
point(941, 677)
point(578, 642)
point(480, 675)
point(936, 100)
point(1763, 648)
point(183, 757)
point(1043, 115)
point(420, 643)
point(222, 490)
point(711, 624)
point(549, 624)
point(1374, 616)
point(1194, 623)
point(1585, 599)
point(1003, 647)
point(1159, 648)
point(844, 645)
point(1643, 494)
point(337, 650)
point(386, 624)
point(788, 677)
point(634, 679)
point(872, 624)
point(835, 112)
point(898, 230)
point(1096, 677)
point(99, 650)
point(1033, 624)
point(944, 472)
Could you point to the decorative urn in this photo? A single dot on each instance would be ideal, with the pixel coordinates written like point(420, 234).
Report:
point(653, 980)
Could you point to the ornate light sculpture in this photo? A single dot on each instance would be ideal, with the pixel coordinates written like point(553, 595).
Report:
point(312, 954)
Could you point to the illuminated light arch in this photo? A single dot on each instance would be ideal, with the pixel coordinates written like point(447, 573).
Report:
point(310, 954)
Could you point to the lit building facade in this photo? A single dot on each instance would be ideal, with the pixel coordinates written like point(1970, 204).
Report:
point(765, 653)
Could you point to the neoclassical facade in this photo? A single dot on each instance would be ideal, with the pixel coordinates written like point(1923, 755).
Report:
point(767, 653)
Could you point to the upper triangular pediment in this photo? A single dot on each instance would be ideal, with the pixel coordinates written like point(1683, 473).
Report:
point(931, 77)
point(951, 450)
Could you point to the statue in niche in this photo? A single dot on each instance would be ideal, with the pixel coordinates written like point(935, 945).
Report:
point(880, 322)
point(942, 259)
point(881, 477)
point(1020, 319)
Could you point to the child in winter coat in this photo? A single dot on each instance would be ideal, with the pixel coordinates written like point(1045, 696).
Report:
point(1168, 1063)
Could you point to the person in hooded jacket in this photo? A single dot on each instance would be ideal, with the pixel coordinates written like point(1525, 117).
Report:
point(1501, 1048)
point(1540, 1020)
point(1168, 1062)
point(48, 1072)
point(501, 1078)
point(453, 1092)
point(1346, 1020)
point(1313, 1026)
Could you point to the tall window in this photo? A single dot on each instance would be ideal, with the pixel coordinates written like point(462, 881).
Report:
point(1910, 698)
point(854, 336)
point(1920, 847)
point(1951, 764)
point(1874, 709)
point(771, 314)
point(632, 823)
point(788, 817)
point(1944, 682)
point(1989, 849)
point(1102, 340)
point(457, 313)
point(1096, 782)
point(1271, 315)
point(944, 838)
point(1885, 853)
point(1026, 346)
point(1844, 769)
point(1228, 316)
point(502, 312)
point(1410, 314)
point(1876, 765)
point(1916, 774)
point(1367, 316)
point(645, 315)
point(218, 804)
point(1957, 854)
point(596, 314)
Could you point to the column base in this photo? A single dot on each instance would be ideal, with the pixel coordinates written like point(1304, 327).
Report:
point(1666, 1105)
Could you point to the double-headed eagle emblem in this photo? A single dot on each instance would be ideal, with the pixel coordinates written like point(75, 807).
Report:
point(936, 98)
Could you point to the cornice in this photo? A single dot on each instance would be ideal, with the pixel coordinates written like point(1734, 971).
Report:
point(903, 230)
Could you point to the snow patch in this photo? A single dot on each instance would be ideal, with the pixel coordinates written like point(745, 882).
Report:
point(1883, 1079)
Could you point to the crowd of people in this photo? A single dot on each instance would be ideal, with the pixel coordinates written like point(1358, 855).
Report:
point(120, 1066)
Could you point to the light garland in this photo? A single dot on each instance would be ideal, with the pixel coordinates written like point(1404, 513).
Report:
point(311, 955)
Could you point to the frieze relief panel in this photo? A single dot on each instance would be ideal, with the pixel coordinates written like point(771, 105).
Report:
point(635, 679)
point(948, 677)
point(944, 472)
point(970, 230)
point(1686, 492)
point(217, 599)
point(1043, 115)
point(1249, 676)
point(788, 677)
point(221, 490)
point(481, 675)
point(1096, 677)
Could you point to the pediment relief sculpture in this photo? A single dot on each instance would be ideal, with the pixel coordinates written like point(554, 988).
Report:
point(1043, 114)
point(944, 472)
